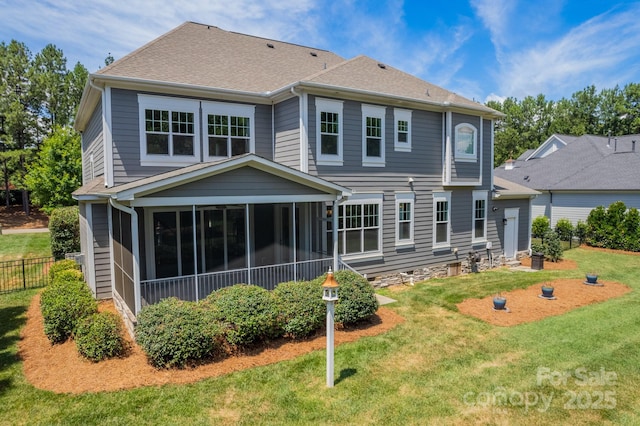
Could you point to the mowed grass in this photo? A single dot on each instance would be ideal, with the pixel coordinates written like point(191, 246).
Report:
point(439, 367)
point(19, 246)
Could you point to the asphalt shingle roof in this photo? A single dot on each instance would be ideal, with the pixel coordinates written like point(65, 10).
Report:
point(587, 163)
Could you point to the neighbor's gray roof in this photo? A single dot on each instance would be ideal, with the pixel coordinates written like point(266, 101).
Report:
point(587, 163)
point(209, 57)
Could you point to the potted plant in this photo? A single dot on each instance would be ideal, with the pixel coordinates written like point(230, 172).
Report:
point(547, 291)
point(592, 278)
point(499, 302)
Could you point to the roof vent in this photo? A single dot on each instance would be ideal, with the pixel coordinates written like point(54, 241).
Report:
point(270, 46)
point(383, 66)
point(314, 54)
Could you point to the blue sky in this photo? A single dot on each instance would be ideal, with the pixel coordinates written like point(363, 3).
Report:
point(481, 49)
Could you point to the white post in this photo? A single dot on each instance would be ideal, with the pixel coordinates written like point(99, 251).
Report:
point(330, 328)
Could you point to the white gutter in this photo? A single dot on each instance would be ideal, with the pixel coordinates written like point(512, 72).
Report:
point(107, 142)
point(135, 248)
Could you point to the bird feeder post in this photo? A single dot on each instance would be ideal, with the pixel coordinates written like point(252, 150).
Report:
point(330, 295)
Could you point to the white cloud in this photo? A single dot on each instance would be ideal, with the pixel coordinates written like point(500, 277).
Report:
point(594, 52)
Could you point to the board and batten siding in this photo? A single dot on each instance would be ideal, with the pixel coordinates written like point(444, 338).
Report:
point(424, 164)
point(93, 146)
point(287, 133)
point(126, 136)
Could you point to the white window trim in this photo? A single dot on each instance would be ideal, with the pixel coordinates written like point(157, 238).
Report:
point(170, 104)
point(442, 196)
point(229, 110)
point(402, 115)
point(463, 156)
point(333, 106)
point(375, 112)
point(478, 195)
point(366, 199)
point(405, 197)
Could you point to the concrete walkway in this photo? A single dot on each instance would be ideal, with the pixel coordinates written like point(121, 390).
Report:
point(5, 231)
point(384, 300)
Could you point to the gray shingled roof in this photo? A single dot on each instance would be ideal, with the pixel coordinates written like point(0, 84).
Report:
point(508, 189)
point(209, 57)
point(587, 163)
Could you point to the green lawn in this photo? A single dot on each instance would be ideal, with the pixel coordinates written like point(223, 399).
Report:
point(439, 367)
point(18, 246)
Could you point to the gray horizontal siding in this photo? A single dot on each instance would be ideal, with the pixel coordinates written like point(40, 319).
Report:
point(101, 249)
point(126, 136)
point(245, 181)
point(576, 206)
point(287, 133)
point(93, 145)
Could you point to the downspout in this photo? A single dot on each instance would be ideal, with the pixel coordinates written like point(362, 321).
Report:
point(135, 247)
point(273, 133)
point(304, 138)
point(108, 141)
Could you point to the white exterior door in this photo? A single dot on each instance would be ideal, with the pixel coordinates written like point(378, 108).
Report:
point(511, 233)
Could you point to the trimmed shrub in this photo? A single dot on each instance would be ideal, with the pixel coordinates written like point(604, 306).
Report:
point(99, 336)
point(539, 226)
point(249, 313)
point(614, 225)
point(302, 308)
point(64, 227)
point(537, 248)
point(596, 233)
point(61, 265)
point(553, 246)
point(631, 229)
point(564, 229)
point(357, 300)
point(68, 275)
point(174, 333)
point(63, 305)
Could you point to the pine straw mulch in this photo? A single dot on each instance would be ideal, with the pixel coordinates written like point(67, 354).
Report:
point(59, 368)
point(13, 217)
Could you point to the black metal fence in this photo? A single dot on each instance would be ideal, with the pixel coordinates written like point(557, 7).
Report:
point(23, 274)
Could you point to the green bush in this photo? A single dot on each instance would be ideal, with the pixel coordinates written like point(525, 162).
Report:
point(63, 305)
point(64, 227)
point(631, 230)
point(581, 231)
point(539, 226)
point(537, 248)
point(61, 265)
point(553, 246)
point(99, 336)
point(174, 333)
point(356, 301)
point(248, 312)
point(614, 225)
point(596, 233)
point(564, 229)
point(303, 310)
point(68, 275)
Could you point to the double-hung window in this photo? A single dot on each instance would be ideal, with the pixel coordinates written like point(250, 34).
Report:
point(373, 135)
point(404, 218)
point(402, 120)
point(479, 216)
point(466, 142)
point(329, 132)
point(441, 219)
point(168, 130)
point(229, 129)
point(360, 226)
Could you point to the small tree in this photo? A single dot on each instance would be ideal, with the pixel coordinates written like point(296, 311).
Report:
point(539, 226)
point(564, 229)
point(581, 231)
point(553, 246)
point(631, 229)
point(596, 233)
point(57, 170)
point(64, 226)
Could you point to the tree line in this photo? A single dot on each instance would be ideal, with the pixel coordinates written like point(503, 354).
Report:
point(39, 99)
point(529, 122)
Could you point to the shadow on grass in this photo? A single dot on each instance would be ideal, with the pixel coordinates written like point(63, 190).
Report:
point(345, 374)
point(11, 320)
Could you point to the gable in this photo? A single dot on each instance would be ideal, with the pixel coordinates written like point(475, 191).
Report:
point(247, 181)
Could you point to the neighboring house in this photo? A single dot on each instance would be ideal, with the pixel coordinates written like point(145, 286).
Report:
point(287, 159)
point(576, 174)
